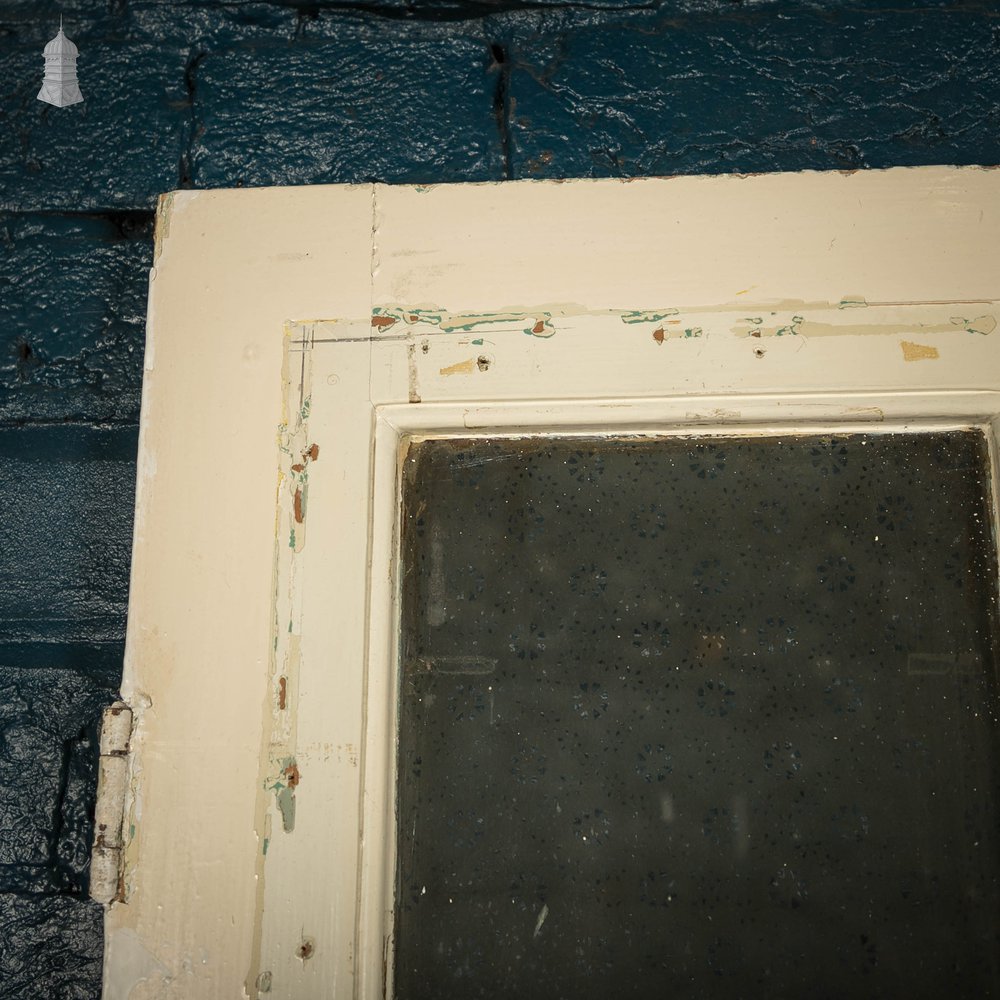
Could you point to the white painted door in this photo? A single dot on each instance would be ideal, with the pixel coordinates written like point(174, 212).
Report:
point(298, 339)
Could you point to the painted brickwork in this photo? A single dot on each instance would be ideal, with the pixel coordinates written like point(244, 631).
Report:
point(206, 94)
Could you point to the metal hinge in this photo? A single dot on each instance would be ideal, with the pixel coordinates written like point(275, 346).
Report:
point(109, 811)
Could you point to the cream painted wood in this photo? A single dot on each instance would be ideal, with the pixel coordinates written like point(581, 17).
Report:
point(230, 269)
point(298, 338)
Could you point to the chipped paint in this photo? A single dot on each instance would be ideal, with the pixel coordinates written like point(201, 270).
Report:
point(161, 230)
point(298, 479)
point(881, 319)
point(284, 793)
point(412, 373)
point(784, 318)
point(279, 773)
point(460, 368)
point(918, 352)
point(984, 325)
point(532, 321)
point(647, 316)
point(285, 798)
point(456, 322)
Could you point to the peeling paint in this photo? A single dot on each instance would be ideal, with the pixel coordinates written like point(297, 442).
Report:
point(852, 302)
point(412, 375)
point(286, 806)
point(460, 368)
point(536, 322)
point(981, 324)
point(778, 318)
point(284, 792)
point(279, 773)
point(648, 316)
point(460, 322)
point(161, 230)
point(918, 352)
point(776, 324)
point(784, 318)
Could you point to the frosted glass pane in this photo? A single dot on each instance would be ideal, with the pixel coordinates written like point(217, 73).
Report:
point(698, 718)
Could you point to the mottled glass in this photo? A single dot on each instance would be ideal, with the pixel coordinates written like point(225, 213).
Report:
point(698, 717)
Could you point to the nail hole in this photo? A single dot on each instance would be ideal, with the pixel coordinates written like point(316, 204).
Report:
point(759, 352)
point(483, 362)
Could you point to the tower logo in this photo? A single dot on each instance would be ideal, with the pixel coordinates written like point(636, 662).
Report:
point(60, 87)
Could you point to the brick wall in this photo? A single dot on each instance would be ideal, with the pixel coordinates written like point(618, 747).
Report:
point(207, 94)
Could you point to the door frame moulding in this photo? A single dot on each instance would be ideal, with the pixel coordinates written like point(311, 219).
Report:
point(398, 425)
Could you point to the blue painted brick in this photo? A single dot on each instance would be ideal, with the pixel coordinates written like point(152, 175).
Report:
point(48, 744)
point(52, 948)
point(72, 314)
point(66, 533)
point(781, 89)
point(394, 102)
point(120, 148)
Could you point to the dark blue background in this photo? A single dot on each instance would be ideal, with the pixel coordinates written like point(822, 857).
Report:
point(206, 94)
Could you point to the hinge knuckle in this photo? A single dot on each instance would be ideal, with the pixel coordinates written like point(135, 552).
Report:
point(109, 810)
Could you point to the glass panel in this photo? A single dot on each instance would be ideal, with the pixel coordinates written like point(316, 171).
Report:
point(698, 718)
